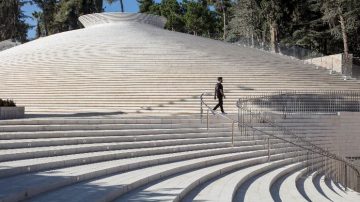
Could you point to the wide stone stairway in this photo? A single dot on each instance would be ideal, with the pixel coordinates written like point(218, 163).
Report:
point(113, 115)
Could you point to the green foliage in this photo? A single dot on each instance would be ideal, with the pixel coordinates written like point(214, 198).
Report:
point(320, 25)
point(327, 26)
point(145, 5)
point(12, 20)
point(197, 18)
point(172, 11)
point(333, 9)
point(223, 11)
point(7, 103)
point(247, 20)
point(46, 17)
point(66, 18)
point(62, 15)
point(305, 28)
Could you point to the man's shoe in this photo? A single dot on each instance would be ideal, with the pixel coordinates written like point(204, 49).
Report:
point(224, 113)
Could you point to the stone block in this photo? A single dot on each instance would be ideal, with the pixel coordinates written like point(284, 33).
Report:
point(12, 112)
point(336, 63)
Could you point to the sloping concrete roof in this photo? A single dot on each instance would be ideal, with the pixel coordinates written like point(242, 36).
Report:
point(128, 62)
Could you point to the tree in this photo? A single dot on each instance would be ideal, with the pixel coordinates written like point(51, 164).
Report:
point(222, 6)
point(66, 17)
point(246, 21)
point(38, 16)
point(272, 11)
point(12, 20)
point(172, 11)
point(145, 5)
point(342, 17)
point(197, 18)
point(68, 12)
point(304, 27)
point(48, 8)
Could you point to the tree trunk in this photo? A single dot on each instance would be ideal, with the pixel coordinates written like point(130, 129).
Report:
point(38, 29)
point(98, 6)
point(264, 37)
point(252, 40)
point(122, 6)
point(344, 36)
point(46, 27)
point(45, 20)
point(274, 37)
point(224, 16)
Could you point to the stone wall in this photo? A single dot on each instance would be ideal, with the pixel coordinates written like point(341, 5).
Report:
point(337, 63)
point(12, 112)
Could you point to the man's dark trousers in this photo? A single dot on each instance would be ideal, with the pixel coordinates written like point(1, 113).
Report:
point(220, 104)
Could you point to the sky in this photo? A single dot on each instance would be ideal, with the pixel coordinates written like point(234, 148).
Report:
point(130, 6)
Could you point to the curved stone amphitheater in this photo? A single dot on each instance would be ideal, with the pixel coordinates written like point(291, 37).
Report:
point(113, 115)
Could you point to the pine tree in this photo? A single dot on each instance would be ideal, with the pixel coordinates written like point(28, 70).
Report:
point(272, 11)
point(12, 20)
point(145, 5)
point(172, 11)
point(48, 8)
point(342, 17)
point(68, 12)
point(38, 16)
point(223, 7)
point(246, 21)
point(305, 28)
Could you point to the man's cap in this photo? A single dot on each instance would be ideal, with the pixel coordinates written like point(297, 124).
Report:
point(220, 78)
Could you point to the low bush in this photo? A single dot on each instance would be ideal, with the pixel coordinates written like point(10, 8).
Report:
point(7, 103)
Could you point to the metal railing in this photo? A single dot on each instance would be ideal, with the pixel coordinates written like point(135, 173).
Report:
point(303, 102)
point(333, 166)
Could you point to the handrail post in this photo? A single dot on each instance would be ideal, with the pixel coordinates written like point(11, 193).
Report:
point(325, 165)
point(307, 161)
point(201, 108)
point(345, 177)
point(238, 107)
point(207, 120)
point(268, 148)
point(232, 133)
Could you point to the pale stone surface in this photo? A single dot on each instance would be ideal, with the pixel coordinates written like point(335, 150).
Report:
point(108, 93)
point(126, 66)
point(337, 63)
point(347, 140)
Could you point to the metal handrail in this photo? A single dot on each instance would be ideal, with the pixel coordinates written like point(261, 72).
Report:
point(322, 101)
point(289, 132)
point(315, 149)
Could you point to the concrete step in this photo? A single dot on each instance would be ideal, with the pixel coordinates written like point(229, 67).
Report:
point(262, 183)
point(17, 167)
point(37, 152)
point(177, 188)
point(136, 178)
point(225, 187)
point(94, 133)
point(54, 179)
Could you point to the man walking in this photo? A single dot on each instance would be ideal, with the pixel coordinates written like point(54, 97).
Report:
point(219, 93)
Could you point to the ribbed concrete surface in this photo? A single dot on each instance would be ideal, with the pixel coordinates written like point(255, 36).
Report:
point(129, 94)
point(127, 66)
